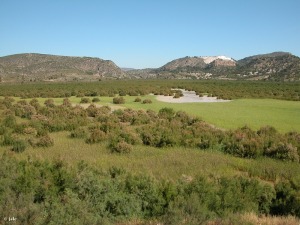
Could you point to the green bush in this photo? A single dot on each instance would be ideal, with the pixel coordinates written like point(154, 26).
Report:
point(67, 102)
point(120, 147)
point(8, 139)
point(45, 141)
point(78, 133)
point(287, 201)
point(118, 100)
point(92, 110)
point(85, 100)
point(96, 136)
point(137, 99)
point(49, 103)
point(283, 151)
point(147, 101)
point(166, 113)
point(159, 135)
point(19, 146)
point(96, 100)
point(3, 129)
point(9, 121)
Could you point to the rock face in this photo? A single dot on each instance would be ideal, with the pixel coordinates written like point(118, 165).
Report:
point(224, 63)
point(42, 67)
point(203, 62)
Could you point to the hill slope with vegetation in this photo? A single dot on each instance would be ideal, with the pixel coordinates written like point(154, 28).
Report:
point(278, 66)
point(42, 67)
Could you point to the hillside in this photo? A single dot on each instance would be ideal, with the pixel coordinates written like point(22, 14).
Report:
point(273, 66)
point(42, 67)
point(279, 66)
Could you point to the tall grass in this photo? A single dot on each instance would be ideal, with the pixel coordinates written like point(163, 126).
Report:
point(167, 163)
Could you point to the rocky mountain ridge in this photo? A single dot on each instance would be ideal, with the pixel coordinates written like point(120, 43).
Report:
point(273, 66)
point(279, 66)
point(42, 67)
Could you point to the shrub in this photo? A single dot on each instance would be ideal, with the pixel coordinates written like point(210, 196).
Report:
point(287, 201)
point(7, 101)
point(9, 121)
point(166, 113)
point(247, 148)
point(29, 130)
point(49, 103)
point(96, 136)
point(45, 141)
point(8, 139)
point(66, 102)
point(138, 99)
point(178, 94)
point(78, 133)
point(283, 151)
point(122, 93)
point(19, 128)
point(118, 100)
point(96, 100)
point(147, 101)
point(85, 100)
point(140, 118)
point(3, 129)
point(19, 146)
point(159, 135)
point(92, 110)
point(120, 147)
point(35, 103)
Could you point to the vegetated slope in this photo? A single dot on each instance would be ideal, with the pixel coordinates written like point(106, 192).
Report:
point(274, 66)
point(42, 67)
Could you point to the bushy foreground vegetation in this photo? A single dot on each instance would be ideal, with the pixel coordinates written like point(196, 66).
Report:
point(52, 192)
point(37, 192)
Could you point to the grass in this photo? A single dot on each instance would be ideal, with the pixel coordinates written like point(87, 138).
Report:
point(168, 163)
point(255, 113)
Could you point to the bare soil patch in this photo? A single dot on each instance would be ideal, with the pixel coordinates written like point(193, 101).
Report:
point(189, 97)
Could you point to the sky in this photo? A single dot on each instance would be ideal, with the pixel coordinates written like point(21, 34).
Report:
point(149, 33)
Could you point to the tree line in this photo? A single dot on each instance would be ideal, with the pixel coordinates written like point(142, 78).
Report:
point(216, 88)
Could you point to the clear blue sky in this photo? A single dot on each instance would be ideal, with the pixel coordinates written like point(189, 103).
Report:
point(149, 33)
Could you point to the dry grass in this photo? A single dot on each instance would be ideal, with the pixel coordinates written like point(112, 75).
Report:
point(269, 220)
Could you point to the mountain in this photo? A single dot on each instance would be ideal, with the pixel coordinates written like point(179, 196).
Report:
point(203, 62)
point(42, 67)
point(273, 66)
point(279, 66)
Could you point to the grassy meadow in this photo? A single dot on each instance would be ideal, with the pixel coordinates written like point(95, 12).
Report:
point(166, 163)
point(216, 163)
point(255, 113)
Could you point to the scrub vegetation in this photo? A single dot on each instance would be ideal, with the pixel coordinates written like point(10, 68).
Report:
point(62, 163)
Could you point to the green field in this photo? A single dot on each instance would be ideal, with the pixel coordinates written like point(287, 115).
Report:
point(283, 115)
point(148, 163)
point(167, 163)
point(255, 113)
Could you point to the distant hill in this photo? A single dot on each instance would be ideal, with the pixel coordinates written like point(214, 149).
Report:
point(279, 66)
point(42, 67)
point(273, 66)
point(187, 63)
